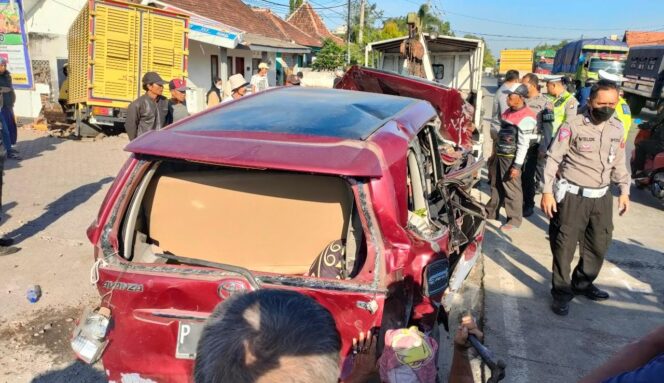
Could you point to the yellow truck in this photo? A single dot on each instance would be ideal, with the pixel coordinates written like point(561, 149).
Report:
point(112, 44)
point(517, 59)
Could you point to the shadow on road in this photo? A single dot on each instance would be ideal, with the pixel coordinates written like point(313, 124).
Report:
point(57, 209)
point(29, 149)
point(75, 372)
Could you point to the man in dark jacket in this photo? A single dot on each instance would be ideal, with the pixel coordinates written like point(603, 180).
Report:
point(7, 100)
point(148, 112)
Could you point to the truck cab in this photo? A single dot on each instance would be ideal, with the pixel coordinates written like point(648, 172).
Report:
point(644, 78)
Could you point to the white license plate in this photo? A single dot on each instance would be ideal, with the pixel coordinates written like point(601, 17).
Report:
point(188, 335)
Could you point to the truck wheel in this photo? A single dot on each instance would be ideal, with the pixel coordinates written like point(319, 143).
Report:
point(636, 103)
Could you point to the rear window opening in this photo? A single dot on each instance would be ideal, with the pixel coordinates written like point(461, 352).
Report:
point(261, 220)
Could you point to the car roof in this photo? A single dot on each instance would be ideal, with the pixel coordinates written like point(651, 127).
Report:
point(326, 131)
point(303, 111)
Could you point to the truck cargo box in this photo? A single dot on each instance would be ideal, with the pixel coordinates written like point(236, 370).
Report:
point(112, 44)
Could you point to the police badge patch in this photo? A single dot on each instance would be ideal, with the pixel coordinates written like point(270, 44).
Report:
point(625, 109)
point(564, 133)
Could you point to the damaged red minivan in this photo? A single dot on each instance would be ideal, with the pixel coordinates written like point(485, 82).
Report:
point(263, 192)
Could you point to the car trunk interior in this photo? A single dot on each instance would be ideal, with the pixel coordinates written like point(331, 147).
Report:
point(260, 220)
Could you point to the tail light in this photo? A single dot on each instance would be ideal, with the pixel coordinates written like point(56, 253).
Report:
point(102, 111)
point(89, 337)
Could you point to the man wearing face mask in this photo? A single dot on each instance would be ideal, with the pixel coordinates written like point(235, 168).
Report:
point(585, 157)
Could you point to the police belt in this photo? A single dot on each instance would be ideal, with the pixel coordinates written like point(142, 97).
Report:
point(587, 192)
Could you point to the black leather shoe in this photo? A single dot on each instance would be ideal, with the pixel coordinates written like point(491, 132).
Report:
point(6, 242)
point(560, 307)
point(528, 211)
point(593, 293)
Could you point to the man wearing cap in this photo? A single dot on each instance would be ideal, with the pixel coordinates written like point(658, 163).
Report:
point(238, 87)
point(587, 154)
point(519, 122)
point(150, 111)
point(177, 103)
point(533, 170)
point(565, 106)
point(259, 80)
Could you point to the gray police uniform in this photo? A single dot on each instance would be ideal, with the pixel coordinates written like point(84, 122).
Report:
point(533, 170)
point(582, 161)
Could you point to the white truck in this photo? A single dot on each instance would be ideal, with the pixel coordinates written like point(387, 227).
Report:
point(454, 62)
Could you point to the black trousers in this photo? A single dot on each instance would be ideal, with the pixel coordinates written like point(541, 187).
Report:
point(645, 149)
point(529, 177)
point(505, 191)
point(586, 222)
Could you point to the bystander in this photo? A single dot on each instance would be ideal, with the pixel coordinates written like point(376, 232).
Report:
point(150, 111)
point(178, 102)
point(259, 81)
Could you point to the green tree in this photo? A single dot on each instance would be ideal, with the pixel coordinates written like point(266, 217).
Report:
point(554, 47)
point(371, 16)
point(330, 56)
point(489, 60)
point(293, 5)
point(430, 22)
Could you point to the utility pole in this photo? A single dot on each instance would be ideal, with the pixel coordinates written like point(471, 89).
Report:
point(348, 35)
point(361, 33)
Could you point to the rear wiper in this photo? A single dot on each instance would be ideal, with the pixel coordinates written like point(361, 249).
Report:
point(199, 262)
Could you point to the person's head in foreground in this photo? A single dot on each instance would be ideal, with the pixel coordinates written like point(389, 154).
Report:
point(517, 97)
point(269, 336)
point(603, 100)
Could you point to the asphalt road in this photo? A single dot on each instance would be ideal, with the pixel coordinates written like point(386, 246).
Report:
point(542, 347)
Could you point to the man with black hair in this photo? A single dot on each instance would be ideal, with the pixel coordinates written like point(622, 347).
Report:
point(150, 111)
point(533, 170)
point(269, 336)
point(500, 99)
point(586, 156)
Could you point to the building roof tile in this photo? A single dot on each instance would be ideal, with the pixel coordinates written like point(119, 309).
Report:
point(307, 20)
point(636, 38)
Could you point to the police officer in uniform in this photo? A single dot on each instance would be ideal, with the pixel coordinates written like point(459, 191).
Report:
point(533, 170)
point(623, 112)
point(587, 154)
point(517, 125)
point(565, 105)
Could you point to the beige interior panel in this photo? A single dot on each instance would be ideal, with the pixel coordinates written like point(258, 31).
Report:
point(259, 220)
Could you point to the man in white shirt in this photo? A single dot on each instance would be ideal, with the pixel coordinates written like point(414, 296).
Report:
point(259, 80)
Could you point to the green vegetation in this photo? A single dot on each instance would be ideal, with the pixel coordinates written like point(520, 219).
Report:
point(330, 57)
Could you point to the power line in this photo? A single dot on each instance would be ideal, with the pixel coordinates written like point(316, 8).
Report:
point(515, 36)
point(288, 5)
point(545, 26)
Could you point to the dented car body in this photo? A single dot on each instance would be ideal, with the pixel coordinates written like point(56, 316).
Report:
point(263, 192)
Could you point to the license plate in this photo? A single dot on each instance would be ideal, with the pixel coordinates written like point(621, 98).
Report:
point(188, 335)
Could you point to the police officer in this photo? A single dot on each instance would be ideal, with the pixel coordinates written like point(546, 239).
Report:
point(564, 104)
point(533, 170)
point(623, 112)
point(587, 154)
point(518, 124)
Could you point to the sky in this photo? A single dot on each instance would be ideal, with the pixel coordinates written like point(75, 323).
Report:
point(515, 23)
